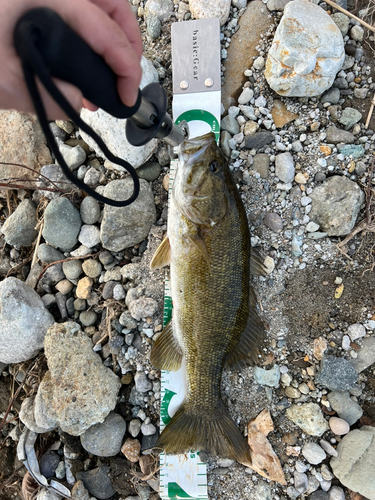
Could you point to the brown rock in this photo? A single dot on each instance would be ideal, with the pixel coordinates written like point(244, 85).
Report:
point(148, 464)
point(242, 49)
point(320, 345)
point(131, 449)
point(22, 141)
point(290, 438)
point(280, 114)
point(84, 288)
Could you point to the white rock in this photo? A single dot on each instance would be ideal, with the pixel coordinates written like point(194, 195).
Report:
point(356, 331)
point(245, 95)
point(163, 9)
point(306, 53)
point(112, 130)
point(240, 4)
point(313, 453)
point(259, 63)
point(74, 157)
point(357, 33)
point(312, 227)
point(201, 9)
point(285, 167)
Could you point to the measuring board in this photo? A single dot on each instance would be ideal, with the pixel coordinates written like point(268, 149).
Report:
point(197, 100)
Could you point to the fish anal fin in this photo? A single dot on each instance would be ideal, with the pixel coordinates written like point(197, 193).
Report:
point(166, 353)
point(162, 256)
point(199, 243)
point(213, 432)
point(256, 263)
point(248, 347)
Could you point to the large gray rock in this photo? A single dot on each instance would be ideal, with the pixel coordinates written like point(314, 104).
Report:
point(366, 356)
point(78, 391)
point(56, 176)
point(345, 407)
point(201, 9)
point(24, 321)
point(337, 374)
point(105, 439)
point(337, 135)
point(62, 224)
point(19, 228)
point(354, 465)
point(306, 53)
point(112, 130)
point(123, 227)
point(23, 142)
point(336, 204)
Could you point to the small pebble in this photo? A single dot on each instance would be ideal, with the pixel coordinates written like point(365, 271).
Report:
point(313, 453)
point(131, 449)
point(338, 426)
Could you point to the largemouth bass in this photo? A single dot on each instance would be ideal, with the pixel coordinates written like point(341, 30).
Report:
point(214, 320)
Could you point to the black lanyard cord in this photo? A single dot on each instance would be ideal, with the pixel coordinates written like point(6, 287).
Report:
point(33, 66)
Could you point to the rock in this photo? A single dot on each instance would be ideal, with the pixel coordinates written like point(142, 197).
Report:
point(273, 221)
point(72, 269)
point(97, 482)
point(49, 463)
point(306, 53)
point(337, 135)
point(354, 465)
point(74, 157)
point(292, 392)
point(64, 286)
point(163, 9)
point(366, 356)
point(345, 407)
point(335, 214)
point(148, 429)
point(309, 418)
point(23, 142)
point(134, 427)
point(349, 117)
point(230, 124)
point(313, 453)
point(336, 493)
point(201, 9)
point(84, 288)
point(332, 96)
point(250, 127)
point(79, 492)
point(339, 426)
point(153, 27)
point(300, 481)
point(143, 308)
point(258, 140)
point(45, 494)
point(280, 114)
point(105, 439)
point(24, 321)
point(270, 377)
point(131, 449)
point(285, 166)
point(312, 227)
point(278, 5)
point(261, 163)
point(328, 448)
point(27, 417)
point(48, 254)
point(357, 33)
point(242, 49)
point(19, 227)
point(92, 268)
point(245, 96)
point(342, 22)
point(92, 177)
point(124, 227)
point(337, 374)
point(89, 210)
point(150, 171)
point(353, 150)
point(142, 383)
point(318, 495)
point(320, 345)
point(111, 129)
point(89, 235)
point(62, 223)
point(88, 318)
point(79, 391)
point(66, 125)
point(258, 64)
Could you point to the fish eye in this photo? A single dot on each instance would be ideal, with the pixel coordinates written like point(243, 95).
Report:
point(214, 166)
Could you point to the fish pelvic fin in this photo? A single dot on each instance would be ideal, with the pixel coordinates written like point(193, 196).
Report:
point(248, 347)
point(162, 256)
point(215, 433)
point(256, 263)
point(166, 353)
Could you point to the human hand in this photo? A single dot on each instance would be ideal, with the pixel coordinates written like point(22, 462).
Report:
point(109, 27)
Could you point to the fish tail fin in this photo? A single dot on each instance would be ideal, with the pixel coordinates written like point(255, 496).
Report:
point(215, 433)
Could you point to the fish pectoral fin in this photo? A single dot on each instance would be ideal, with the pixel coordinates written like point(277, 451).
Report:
point(166, 353)
point(215, 433)
point(162, 256)
point(256, 263)
point(247, 350)
point(199, 243)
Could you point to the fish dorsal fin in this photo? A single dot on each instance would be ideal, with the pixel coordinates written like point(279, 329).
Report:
point(199, 243)
point(166, 353)
point(256, 263)
point(162, 256)
point(247, 350)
